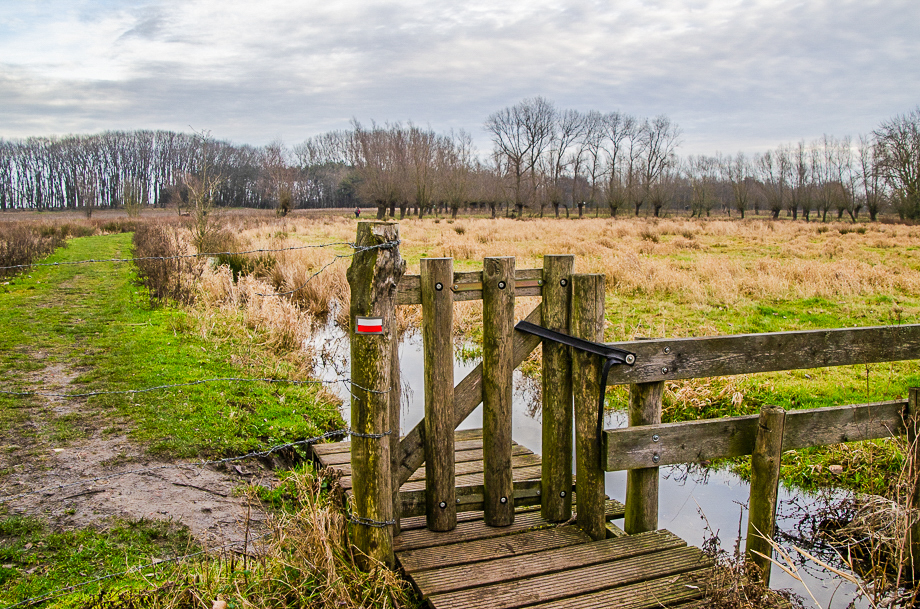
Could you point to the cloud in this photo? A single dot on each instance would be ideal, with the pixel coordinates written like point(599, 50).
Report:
point(735, 74)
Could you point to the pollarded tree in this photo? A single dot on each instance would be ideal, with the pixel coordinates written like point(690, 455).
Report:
point(898, 154)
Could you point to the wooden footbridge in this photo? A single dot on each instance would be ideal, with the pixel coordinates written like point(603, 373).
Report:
point(485, 522)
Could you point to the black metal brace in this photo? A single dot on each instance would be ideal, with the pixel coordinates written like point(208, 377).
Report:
point(611, 355)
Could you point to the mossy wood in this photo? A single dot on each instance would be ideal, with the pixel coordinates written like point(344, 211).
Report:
point(682, 358)
point(467, 396)
point(709, 439)
point(642, 484)
point(586, 320)
point(765, 464)
point(497, 369)
point(557, 392)
point(912, 420)
point(373, 277)
point(437, 328)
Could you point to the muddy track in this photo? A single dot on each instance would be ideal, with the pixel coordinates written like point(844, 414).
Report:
point(62, 447)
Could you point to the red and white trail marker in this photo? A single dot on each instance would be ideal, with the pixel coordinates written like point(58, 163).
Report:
point(369, 325)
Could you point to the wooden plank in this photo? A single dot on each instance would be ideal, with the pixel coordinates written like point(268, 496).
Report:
point(409, 291)
point(526, 492)
point(574, 582)
point(469, 531)
point(556, 384)
point(682, 358)
point(661, 592)
point(370, 276)
point(516, 475)
point(461, 468)
point(642, 484)
point(489, 549)
point(416, 522)
point(330, 448)
point(586, 321)
point(459, 445)
point(438, 345)
point(497, 389)
point(467, 396)
point(450, 579)
point(708, 439)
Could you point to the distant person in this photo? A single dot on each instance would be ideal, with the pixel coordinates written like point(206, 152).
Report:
point(357, 212)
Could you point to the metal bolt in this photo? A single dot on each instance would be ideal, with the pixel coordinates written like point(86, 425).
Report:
point(458, 501)
point(656, 458)
point(563, 282)
point(664, 370)
point(439, 286)
point(630, 359)
point(539, 282)
point(667, 349)
point(456, 286)
point(501, 285)
point(503, 500)
point(562, 493)
point(442, 505)
point(655, 438)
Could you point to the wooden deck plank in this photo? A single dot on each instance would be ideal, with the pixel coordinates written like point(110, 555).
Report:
point(661, 592)
point(328, 448)
point(418, 522)
point(469, 531)
point(518, 474)
point(574, 582)
point(461, 577)
point(523, 458)
point(470, 444)
point(481, 550)
point(461, 456)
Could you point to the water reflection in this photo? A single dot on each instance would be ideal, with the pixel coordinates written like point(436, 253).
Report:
point(695, 503)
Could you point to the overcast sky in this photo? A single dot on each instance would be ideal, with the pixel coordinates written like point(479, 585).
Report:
point(733, 75)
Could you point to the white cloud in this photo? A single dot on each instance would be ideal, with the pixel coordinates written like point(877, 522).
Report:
point(734, 74)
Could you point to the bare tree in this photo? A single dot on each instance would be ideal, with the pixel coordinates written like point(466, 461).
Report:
point(898, 155)
point(870, 177)
point(658, 141)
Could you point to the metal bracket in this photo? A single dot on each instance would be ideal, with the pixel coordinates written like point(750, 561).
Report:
point(612, 355)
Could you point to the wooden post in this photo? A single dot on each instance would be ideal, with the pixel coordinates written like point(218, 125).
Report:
point(913, 468)
point(556, 477)
point(437, 275)
point(497, 368)
point(765, 463)
point(586, 320)
point(642, 484)
point(373, 276)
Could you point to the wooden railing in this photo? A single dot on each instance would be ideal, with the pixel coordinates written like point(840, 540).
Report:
point(573, 304)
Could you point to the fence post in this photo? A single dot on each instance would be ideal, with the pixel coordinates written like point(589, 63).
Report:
point(437, 275)
point(765, 464)
point(497, 368)
point(556, 476)
point(586, 320)
point(642, 484)
point(373, 277)
point(913, 469)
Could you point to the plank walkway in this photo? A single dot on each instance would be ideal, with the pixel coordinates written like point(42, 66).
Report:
point(534, 563)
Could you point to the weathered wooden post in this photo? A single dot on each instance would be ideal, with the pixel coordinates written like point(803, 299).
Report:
point(497, 369)
point(642, 484)
point(586, 320)
point(437, 276)
point(913, 469)
point(556, 476)
point(765, 466)
point(373, 276)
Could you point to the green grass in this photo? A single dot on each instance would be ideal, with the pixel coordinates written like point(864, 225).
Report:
point(95, 322)
point(36, 561)
point(96, 319)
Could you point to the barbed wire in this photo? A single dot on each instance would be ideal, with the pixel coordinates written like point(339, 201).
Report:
point(343, 432)
point(357, 248)
point(178, 256)
point(384, 245)
point(190, 384)
point(59, 592)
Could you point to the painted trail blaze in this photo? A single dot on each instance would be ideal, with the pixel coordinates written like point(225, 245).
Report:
point(369, 325)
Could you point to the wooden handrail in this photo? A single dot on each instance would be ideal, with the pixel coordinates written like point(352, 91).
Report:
point(709, 439)
point(683, 358)
point(409, 289)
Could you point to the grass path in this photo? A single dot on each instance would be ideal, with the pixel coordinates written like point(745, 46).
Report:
point(80, 328)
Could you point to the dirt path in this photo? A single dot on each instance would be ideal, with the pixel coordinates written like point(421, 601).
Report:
point(205, 499)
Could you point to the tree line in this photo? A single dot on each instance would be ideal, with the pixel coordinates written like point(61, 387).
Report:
point(544, 160)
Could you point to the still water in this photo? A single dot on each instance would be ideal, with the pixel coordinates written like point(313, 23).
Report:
point(689, 498)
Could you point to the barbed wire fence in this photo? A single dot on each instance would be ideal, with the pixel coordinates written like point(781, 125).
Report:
point(264, 453)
